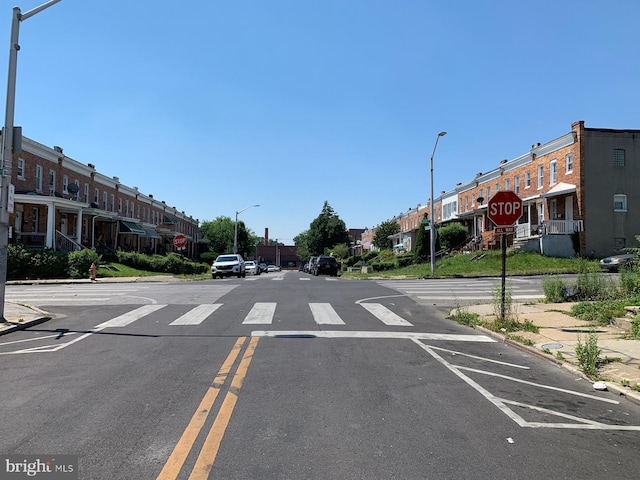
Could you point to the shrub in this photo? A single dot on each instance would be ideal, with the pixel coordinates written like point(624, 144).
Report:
point(553, 288)
point(588, 354)
point(208, 257)
point(80, 261)
point(602, 311)
point(452, 236)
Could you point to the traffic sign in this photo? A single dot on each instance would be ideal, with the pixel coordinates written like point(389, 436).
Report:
point(179, 241)
point(509, 229)
point(504, 208)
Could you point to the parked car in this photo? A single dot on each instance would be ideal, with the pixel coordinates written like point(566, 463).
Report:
point(324, 264)
point(614, 262)
point(271, 268)
point(251, 267)
point(227, 265)
point(309, 265)
point(263, 267)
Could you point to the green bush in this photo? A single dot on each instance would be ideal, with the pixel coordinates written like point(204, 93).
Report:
point(26, 263)
point(80, 261)
point(588, 354)
point(170, 263)
point(603, 312)
point(630, 280)
point(553, 288)
point(208, 257)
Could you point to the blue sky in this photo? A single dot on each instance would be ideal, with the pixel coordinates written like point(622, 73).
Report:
point(213, 106)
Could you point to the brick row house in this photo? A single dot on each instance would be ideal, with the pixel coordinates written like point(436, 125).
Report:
point(580, 196)
point(62, 204)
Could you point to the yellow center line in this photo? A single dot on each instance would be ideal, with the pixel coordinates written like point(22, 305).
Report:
point(209, 451)
point(180, 452)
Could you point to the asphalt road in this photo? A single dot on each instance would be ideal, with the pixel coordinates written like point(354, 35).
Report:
point(288, 376)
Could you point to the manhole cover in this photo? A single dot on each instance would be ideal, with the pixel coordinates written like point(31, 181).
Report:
point(552, 345)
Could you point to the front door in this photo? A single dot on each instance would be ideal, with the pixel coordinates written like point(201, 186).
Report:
point(63, 225)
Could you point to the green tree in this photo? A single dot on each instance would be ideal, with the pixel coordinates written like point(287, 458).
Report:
point(221, 232)
point(422, 249)
point(301, 242)
point(384, 230)
point(453, 235)
point(326, 231)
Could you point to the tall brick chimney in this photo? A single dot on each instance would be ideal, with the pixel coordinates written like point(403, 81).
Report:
point(266, 236)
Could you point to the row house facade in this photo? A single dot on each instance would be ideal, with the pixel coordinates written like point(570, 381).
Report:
point(579, 193)
point(62, 204)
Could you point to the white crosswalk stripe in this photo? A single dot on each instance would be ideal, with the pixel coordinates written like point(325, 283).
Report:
point(130, 317)
point(261, 313)
point(197, 315)
point(385, 315)
point(324, 314)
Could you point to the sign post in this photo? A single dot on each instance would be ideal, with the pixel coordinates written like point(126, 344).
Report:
point(503, 209)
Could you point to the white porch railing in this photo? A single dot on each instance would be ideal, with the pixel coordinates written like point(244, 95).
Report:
point(66, 244)
point(562, 227)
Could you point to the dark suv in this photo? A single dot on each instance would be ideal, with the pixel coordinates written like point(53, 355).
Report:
point(325, 265)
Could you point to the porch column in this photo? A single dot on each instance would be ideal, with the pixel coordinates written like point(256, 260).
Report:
point(51, 225)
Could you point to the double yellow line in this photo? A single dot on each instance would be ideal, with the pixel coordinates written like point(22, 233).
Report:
point(209, 451)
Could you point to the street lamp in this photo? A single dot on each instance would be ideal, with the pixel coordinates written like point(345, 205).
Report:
point(8, 146)
point(432, 233)
point(235, 233)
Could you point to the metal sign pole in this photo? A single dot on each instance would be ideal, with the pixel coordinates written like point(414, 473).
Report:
point(503, 241)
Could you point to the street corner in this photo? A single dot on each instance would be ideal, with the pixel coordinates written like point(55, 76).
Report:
point(19, 317)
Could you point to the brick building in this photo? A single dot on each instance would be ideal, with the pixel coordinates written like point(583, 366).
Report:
point(63, 204)
point(579, 195)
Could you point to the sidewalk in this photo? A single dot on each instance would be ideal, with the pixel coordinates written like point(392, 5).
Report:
point(559, 334)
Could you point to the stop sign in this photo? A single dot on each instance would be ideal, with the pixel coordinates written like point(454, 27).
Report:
point(504, 208)
point(179, 241)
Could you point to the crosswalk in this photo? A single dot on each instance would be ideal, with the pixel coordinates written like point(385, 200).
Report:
point(451, 291)
point(261, 313)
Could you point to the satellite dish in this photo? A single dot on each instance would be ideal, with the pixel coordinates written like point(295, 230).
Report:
point(72, 188)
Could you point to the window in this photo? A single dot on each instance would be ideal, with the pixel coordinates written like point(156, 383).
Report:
point(620, 203)
point(527, 179)
point(553, 172)
point(86, 193)
point(52, 181)
point(497, 187)
point(481, 194)
point(473, 199)
point(120, 205)
point(76, 195)
point(112, 204)
point(507, 184)
point(138, 216)
point(96, 197)
point(65, 184)
point(126, 208)
point(20, 168)
point(568, 163)
point(618, 157)
point(540, 176)
point(516, 184)
point(105, 197)
point(488, 193)
point(38, 178)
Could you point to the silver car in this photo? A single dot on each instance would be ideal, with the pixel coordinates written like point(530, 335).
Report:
point(251, 267)
point(614, 262)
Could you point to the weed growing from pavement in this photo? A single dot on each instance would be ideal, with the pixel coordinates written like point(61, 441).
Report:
point(521, 339)
point(624, 382)
point(529, 326)
point(559, 355)
point(553, 288)
point(461, 314)
point(588, 354)
point(547, 351)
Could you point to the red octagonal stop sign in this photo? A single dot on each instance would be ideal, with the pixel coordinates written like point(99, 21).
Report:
point(504, 208)
point(180, 241)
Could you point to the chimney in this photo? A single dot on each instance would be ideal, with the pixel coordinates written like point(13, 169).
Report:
point(266, 236)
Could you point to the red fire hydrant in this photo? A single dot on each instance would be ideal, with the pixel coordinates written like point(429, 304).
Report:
point(92, 272)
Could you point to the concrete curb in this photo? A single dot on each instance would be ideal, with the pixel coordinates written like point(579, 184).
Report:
point(15, 326)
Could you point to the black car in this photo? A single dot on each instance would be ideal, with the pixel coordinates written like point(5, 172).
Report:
point(325, 265)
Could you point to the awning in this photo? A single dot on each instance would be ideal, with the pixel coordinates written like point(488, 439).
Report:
point(130, 227)
point(560, 189)
point(169, 221)
point(151, 233)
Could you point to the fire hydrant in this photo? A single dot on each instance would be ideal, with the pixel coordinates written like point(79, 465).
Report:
point(92, 272)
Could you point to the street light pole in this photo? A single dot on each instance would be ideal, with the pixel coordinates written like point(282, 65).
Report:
point(235, 232)
point(432, 231)
point(8, 141)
